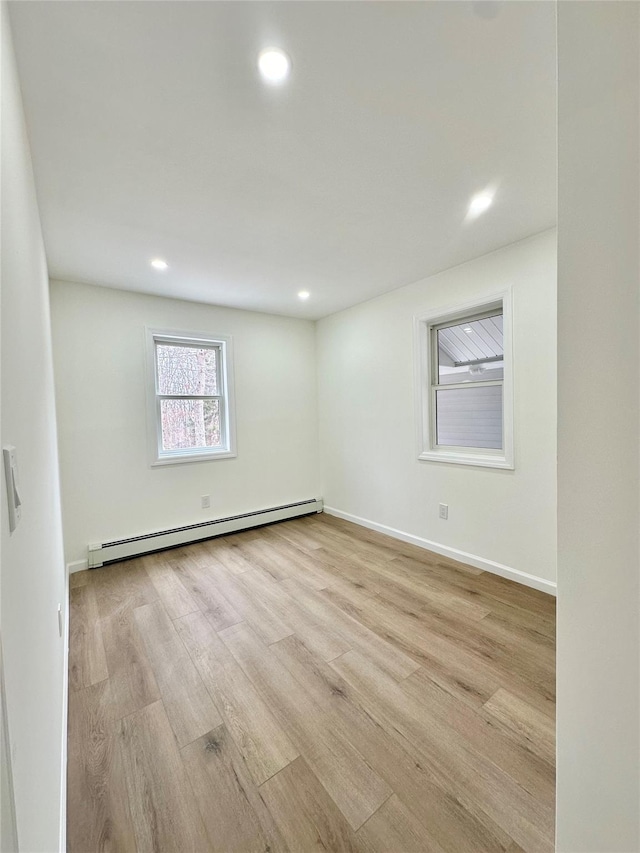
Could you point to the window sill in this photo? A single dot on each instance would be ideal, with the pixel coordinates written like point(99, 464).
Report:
point(182, 458)
point(482, 460)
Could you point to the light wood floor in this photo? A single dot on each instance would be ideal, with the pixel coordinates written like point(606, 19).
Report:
point(309, 686)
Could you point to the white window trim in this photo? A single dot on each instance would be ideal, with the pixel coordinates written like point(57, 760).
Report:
point(423, 354)
point(159, 457)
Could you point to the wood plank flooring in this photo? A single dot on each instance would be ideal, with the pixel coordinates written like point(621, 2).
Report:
point(309, 686)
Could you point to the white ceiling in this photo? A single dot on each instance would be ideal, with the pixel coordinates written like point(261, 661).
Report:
point(152, 135)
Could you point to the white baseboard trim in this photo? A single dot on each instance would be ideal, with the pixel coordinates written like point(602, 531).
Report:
point(444, 550)
point(77, 566)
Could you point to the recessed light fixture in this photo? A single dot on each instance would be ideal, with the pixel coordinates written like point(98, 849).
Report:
point(159, 264)
point(468, 330)
point(274, 65)
point(303, 294)
point(479, 203)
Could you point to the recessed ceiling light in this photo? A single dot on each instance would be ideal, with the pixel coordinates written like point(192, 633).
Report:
point(303, 294)
point(468, 330)
point(479, 203)
point(159, 264)
point(274, 65)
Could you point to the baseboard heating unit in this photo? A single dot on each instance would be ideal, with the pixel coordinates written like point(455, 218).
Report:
point(135, 546)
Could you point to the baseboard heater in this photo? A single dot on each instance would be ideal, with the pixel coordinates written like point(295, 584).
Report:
point(136, 546)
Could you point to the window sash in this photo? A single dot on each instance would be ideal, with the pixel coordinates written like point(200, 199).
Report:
point(436, 385)
point(188, 344)
point(464, 448)
point(427, 385)
point(190, 396)
point(458, 385)
point(224, 381)
point(202, 449)
point(433, 329)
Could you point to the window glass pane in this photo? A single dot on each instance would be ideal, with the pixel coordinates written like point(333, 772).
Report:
point(471, 351)
point(470, 417)
point(190, 424)
point(186, 370)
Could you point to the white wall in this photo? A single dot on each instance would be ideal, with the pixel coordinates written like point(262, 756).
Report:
point(32, 567)
point(598, 428)
point(367, 417)
point(109, 489)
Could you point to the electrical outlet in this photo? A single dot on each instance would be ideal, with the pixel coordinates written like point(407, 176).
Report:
point(205, 501)
point(444, 511)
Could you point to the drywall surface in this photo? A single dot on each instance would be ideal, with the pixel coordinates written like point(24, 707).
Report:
point(33, 574)
point(368, 413)
point(109, 489)
point(598, 428)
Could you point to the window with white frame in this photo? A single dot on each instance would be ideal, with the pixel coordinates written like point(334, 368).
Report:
point(191, 414)
point(465, 384)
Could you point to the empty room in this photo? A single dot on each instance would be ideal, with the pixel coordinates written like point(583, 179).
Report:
point(320, 417)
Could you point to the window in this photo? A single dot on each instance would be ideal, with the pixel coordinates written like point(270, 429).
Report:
point(465, 385)
point(191, 397)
